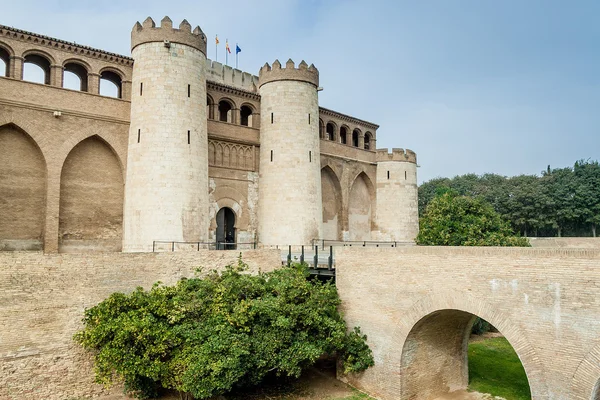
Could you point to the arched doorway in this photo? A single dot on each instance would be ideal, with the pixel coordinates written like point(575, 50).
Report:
point(226, 229)
point(435, 358)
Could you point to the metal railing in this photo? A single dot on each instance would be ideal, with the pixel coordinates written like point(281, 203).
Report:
point(161, 246)
point(359, 243)
point(304, 253)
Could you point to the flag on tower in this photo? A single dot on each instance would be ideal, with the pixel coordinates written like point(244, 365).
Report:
point(227, 46)
point(237, 50)
point(216, 47)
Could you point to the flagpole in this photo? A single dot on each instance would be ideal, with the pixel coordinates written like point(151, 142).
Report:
point(226, 52)
point(236, 55)
point(217, 48)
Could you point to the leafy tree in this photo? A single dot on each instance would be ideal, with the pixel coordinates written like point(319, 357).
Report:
point(563, 201)
point(453, 220)
point(428, 190)
point(203, 337)
point(587, 192)
point(559, 187)
point(524, 206)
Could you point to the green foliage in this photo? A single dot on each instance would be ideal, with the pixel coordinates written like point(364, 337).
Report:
point(494, 368)
point(207, 336)
point(560, 202)
point(453, 220)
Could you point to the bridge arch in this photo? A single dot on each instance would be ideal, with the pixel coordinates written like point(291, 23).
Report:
point(451, 315)
point(586, 380)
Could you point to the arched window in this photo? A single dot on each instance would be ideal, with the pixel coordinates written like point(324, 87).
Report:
point(321, 129)
point(330, 131)
point(4, 62)
point(246, 116)
point(75, 77)
point(209, 108)
point(225, 111)
point(355, 137)
point(368, 137)
point(110, 84)
point(36, 69)
point(343, 135)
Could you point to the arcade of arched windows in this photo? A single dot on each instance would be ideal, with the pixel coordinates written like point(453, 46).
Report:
point(228, 110)
point(33, 63)
point(344, 134)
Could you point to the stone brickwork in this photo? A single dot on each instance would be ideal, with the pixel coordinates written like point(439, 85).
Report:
point(166, 196)
point(158, 110)
point(397, 196)
point(566, 242)
point(42, 299)
point(416, 305)
point(290, 205)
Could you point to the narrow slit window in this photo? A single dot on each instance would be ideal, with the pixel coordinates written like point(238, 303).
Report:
point(405, 175)
point(309, 119)
point(188, 137)
point(189, 90)
point(271, 155)
point(388, 174)
point(139, 134)
point(141, 88)
point(271, 117)
point(309, 156)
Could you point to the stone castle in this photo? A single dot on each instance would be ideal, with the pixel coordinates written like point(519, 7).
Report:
point(259, 162)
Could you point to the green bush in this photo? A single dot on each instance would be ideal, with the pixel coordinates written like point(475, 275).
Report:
point(206, 336)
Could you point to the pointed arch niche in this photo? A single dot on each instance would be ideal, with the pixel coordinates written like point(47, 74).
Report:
point(332, 204)
point(22, 191)
point(360, 208)
point(91, 199)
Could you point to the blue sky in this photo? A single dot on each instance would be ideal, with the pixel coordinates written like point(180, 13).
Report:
point(472, 85)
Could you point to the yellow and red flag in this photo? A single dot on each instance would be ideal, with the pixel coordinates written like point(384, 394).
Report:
point(217, 39)
point(227, 46)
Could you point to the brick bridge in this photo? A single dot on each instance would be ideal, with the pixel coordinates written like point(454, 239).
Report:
point(417, 306)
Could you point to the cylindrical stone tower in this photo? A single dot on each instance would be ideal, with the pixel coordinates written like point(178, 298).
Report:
point(397, 195)
point(166, 187)
point(290, 203)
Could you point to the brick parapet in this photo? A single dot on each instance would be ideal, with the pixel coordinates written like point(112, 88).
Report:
point(396, 155)
point(148, 32)
point(58, 44)
point(303, 73)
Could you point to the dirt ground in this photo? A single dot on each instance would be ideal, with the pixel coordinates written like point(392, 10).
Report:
point(318, 383)
point(463, 395)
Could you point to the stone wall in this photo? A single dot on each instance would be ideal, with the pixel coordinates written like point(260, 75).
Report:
point(416, 303)
point(42, 299)
point(37, 145)
point(566, 242)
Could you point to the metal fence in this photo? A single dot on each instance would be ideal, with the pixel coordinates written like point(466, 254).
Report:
point(163, 246)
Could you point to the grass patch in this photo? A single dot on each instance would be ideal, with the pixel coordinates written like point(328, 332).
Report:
point(495, 368)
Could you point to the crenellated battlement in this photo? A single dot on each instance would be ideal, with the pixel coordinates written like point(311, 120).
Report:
point(226, 75)
point(148, 32)
point(304, 73)
point(396, 155)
